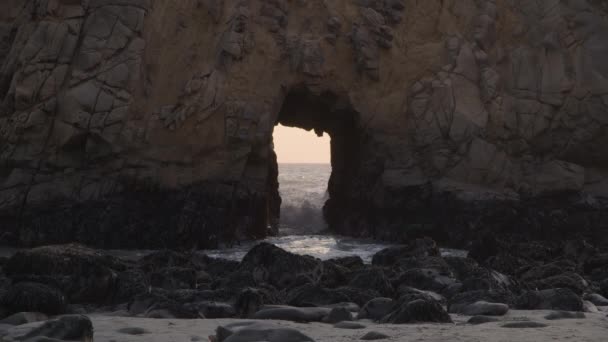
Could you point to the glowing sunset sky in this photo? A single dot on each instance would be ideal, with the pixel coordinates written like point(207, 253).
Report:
point(295, 145)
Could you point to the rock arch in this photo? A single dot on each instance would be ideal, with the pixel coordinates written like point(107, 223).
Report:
point(112, 109)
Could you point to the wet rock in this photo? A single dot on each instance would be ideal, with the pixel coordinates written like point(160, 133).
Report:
point(590, 307)
point(24, 318)
point(129, 283)
point(426, 279)
point(69, 327)
point(213, 310)
point(373, 278)
point(410, 294)
point(551, 299)
point(482, 308)
point(337, 315)
point(374, 336)
point(34, 297)
point(460, 301)
point(313, 295)
point(293, 314)
point(174, 278)
point(556, 315)
point(569, 280)
point(350, 262)
point(476, 320)
point(596, 299)
point(259, 331)
point(282, 269)
point(376, 309)
point(162, 304)
point(83, 274)
point(418, 311)
point(248, 302)
point(349, 325)
point(417, 248)
point(524, 325)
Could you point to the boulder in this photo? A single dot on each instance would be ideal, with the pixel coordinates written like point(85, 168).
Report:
point(374, 336)
point(482, 308)
point(34, 297)
point(376, 309)
point(349, 325)
point(173, 278)
point(417, 248)
point(314, 295)
point(374, 279)
point(269, 263)
point(551, 299)
point(462, 300)
point(69, 328)
point(476, 320)
point(83, 274)
point(339, 314)
point(418, 311)
point(24, 318)
point(596, 299)
point(294, 314)
point(258, 331)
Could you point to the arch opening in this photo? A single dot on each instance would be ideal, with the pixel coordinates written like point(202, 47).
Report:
point(324, 113)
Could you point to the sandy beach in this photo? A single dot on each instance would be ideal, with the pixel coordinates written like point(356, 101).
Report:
point(593, 328)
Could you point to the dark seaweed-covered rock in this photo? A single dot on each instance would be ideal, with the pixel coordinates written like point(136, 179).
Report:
point(163, 304)
point(426, 279)
point(280, 268)
point(174, 278)
point(550, 299)
point(34, 297)
point(83, 274)
point(350, 262)
point(460, 301)
point(69, 328)
point(482, 308)
point(569, 280)
point(476, 320)
point(372, 278)
point(294, 314)
point(258, 331)
point(167, 258)
point(410, 294)
point(374, 336)
point(129, 283)
point(313, 295)
point(418, 311)
point(213, 310)
point(376, 308)
point(338, 314)
point(418, 248)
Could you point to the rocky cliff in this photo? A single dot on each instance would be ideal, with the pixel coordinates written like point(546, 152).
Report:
point(149, 122)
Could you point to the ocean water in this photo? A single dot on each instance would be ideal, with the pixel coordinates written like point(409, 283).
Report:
point(303, 189)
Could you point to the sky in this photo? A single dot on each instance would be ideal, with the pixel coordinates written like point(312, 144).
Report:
point(295, 145)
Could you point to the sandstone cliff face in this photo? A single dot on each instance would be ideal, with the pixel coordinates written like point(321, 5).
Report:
point(149, 122)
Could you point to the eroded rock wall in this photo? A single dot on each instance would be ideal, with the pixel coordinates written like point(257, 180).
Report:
point(150, 121)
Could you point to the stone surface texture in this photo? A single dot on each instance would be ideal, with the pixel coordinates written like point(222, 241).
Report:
point(149, 122)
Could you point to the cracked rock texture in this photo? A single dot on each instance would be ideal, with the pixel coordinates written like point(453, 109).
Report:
point(149, 122)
